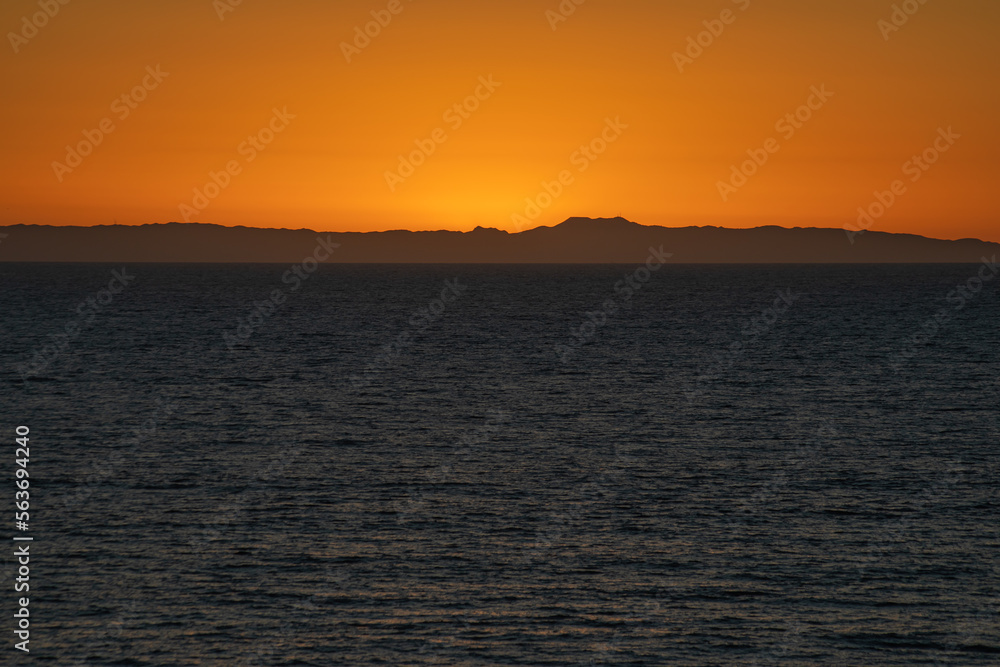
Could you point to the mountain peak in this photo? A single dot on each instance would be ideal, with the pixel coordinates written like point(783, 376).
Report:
point(597, 222)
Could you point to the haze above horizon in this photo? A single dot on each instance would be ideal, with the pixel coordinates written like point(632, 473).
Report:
point(389, 114)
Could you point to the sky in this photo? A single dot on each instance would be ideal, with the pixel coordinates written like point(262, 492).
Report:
point(513, 114)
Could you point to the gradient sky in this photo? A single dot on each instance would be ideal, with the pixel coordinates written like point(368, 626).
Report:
point(327, 169)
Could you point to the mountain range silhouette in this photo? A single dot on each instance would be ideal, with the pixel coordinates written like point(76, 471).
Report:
point(577, 241)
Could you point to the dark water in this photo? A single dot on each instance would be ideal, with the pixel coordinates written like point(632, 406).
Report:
point(695, 481)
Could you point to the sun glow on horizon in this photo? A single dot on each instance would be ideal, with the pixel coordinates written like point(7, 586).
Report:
point(451, 116)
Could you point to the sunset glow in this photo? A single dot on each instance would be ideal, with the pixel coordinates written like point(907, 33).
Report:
point(458, 114)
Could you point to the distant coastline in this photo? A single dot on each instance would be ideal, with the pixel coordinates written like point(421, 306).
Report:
point(575, 241)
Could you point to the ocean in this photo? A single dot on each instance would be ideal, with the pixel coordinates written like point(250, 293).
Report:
point(505, 465)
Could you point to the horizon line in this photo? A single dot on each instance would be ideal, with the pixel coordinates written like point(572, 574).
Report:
point(486, 229)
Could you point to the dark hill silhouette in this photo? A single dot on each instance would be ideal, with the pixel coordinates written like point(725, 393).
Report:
point(577, 240)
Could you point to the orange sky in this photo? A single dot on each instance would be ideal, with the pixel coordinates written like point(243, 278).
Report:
point(326, 168)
